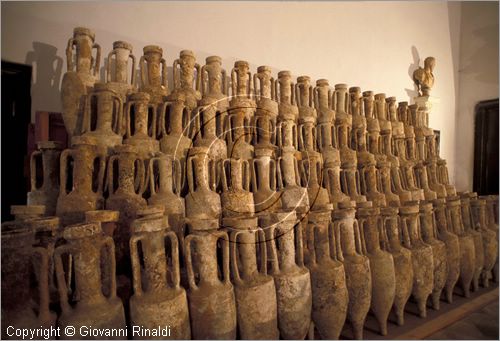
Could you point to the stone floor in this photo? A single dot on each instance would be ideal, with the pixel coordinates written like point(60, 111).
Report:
point(480, 325)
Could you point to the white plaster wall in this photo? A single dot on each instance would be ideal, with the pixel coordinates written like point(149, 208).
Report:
point(478, 79)
point(375, 45)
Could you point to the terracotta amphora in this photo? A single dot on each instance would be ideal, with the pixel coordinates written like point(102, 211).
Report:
point(23, 213)
point(446, 234)
point(305, 97)
point(125, 183)
point(429, 234)
point(88, 305)
point(117, 69)
point(312, 178)
point(325, 128)
point(434, 185)
point(286, 94)
point(291, 277)
point(266, 115)
point(263, 168)
point(141, 127)
point(46, 192)
point(212, 306)
point(467, 254)
point(403, 268)
point(103, 117)
point(236, 198)
point(165, 184)
point(214, 85)
point(421, 255)
point(254, 289)
point(423, 182)
point(469, 227)
point(202, 202)
point(83, 70)
point(492, 223)
point(153, 70)
point(490, 240)
point(158, 299)
point(18, 309)
point(81, 181)
point(187, 79)
point(356, 265)
point(383, 274)
point(329, 291)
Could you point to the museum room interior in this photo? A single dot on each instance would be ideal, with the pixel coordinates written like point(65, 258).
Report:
point(250, 170)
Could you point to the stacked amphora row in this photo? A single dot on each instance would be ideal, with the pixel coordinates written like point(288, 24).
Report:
point(242, 205)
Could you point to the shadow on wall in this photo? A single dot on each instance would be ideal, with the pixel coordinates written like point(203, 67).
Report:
point(412, 93)
point(481, 62)
point(46, 76)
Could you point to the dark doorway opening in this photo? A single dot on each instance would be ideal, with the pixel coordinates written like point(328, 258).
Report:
point(486, 148)
point(16, 117)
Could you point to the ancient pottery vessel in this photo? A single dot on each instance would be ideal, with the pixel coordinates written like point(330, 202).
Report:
point(328, 283)
point(421, 255)
point(153, 70)
point(490, 241)
point(236, 198)
point(492, 223)
point(266, 198)
point(356, 265)
point(82, 73)
point(446, 234)
point(88, 306)
point(266, 115)
point(469, 227)
point(141, 127)
point(103, 117)
point(117, 78)
point(18, 310)
point(47, 192)
point(291, 277)
point(202, 202)
point(81, 181)
point(158, 299)
point(403, 266)
point(254, 289)
point(383, 275)
point(212, 306)
point(174, 128)
point(439, 252)
point(466, 242)
point(186, 82)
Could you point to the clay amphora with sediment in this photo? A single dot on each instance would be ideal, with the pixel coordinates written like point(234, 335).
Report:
point(434, 185)
point(187, 79)
point(85, 181)
point(383, 275)
point(88, 305)
point(212, 306)
point(165, 184)
point(403, 268)
point(312, 178)
point(446, 234)
point(214, 84)
point(325, 127)
point(356, 265)
point(467, 256)
point(117, 78)
point(291, 277)
point(490, 241)
point(236, 198)
point(241, 111)
point(103, 117)
point(47, 192)
point(286, 94)
point(125, 183)
point(305, 97)
point(83, 70)
point(158, 299)
point(469, 227)
point(265, 91)
point(421, 255)
point(423, 182)
point(254, 289)
point(263, 170)
point(141, 127)
point(202, 202)
point(18, 309)
point(329, 290)
point(153, 70)
point(491, 212)
point(439, 252)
